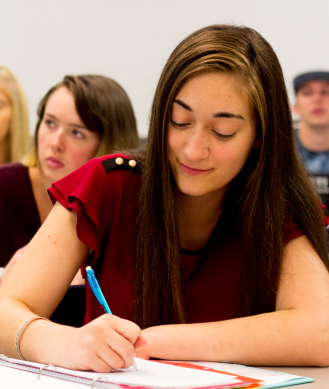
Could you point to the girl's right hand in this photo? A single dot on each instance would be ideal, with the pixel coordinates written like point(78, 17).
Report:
point(106, 343)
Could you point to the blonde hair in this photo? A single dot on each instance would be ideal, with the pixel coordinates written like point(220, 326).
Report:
point(19, 136)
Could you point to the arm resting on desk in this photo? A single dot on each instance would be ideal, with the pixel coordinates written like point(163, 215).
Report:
point(35, 287)
point(297, 333)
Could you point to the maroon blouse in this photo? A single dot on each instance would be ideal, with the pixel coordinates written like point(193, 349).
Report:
point(19, 215)
point(104, 195)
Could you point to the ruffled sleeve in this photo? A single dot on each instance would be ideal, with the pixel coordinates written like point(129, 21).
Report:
point(93, 196)
point(293, 230)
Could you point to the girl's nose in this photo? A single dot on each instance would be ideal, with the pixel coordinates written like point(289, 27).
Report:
point(58, 140)
point(197, 145)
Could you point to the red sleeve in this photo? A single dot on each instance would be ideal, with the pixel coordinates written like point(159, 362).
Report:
point(293, 230)
point(89, 193)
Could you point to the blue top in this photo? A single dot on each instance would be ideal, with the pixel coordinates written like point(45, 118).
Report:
point(316, 162)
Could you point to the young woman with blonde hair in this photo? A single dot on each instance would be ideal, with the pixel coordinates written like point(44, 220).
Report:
point(14, 120)
point(217, 251)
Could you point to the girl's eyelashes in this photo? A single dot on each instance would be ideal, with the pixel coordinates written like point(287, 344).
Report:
point(218, 134)
point(177, 125)
point(50, 123)
point(77, 134)
point(222, 136)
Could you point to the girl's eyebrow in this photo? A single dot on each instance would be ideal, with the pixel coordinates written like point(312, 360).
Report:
point(228, 115)
point(70, 124)
point(182, 104)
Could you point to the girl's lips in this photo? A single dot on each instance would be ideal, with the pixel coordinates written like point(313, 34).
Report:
point(192, 171)
point(54, 163)
point(317, 111)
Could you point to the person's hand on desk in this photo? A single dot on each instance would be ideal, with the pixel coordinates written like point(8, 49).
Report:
point(106, 343)
point(142, 351)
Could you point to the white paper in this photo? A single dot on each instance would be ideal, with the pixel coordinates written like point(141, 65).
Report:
point(160, 375)
point(149, 374)
point(268, 376)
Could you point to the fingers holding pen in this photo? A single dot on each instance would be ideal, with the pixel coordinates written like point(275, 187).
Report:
point(141, 342)
point(120, 335)
point(107, 343)
point(122, 340)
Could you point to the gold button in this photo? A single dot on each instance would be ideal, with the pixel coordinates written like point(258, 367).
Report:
point(132, 163)
point(119, 161)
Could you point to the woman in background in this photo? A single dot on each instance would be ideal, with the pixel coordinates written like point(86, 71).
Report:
point(80, 118)
point(14, 121)
point(217, 252)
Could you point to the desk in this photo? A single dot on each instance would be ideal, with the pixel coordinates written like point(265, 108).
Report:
point(320, 374)
point(14, 379)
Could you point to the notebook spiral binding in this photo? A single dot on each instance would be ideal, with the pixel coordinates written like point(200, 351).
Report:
point(94, 383)
point(3, 356)
point(43, 371)
point(43, 367)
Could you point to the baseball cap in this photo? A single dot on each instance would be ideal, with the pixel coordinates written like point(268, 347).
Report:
point(302, 79)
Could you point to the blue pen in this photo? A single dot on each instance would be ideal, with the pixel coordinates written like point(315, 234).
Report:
point(99, 294)
point(97, 289)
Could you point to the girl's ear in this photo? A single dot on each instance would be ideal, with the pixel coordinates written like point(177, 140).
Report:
point(258, 142)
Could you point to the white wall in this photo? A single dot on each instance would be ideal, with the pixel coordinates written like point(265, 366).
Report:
point(130, 40)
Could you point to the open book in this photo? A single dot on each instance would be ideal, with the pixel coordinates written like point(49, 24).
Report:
point(150, 374)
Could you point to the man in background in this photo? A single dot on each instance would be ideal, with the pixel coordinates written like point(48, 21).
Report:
point(312, 134)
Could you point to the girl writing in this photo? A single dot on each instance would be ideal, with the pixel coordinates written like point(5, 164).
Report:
point(216, 252)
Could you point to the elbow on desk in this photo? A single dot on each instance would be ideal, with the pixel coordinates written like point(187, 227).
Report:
point(322, 359)
point(318, 347)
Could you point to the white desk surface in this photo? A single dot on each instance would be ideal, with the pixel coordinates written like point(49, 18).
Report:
point(320, 374)
point(16, 379)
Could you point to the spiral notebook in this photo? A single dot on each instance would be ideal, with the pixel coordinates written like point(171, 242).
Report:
point(150, 374)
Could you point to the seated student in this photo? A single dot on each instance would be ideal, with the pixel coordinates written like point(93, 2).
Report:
point(217, 251)
point(14, 121)
point(312, 136)
point(79, 118)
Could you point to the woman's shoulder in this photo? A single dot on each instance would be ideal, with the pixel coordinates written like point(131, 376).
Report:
point(110, 166)
point(12, 168)
point(16, 191)
point(13, 173)
point(98, 179)
point(116, 161)
point(293, 230)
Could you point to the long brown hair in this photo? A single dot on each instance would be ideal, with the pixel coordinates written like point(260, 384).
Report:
point(104, 108)
point(271, 189)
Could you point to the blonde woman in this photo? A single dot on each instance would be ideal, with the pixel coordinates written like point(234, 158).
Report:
point(14, 122)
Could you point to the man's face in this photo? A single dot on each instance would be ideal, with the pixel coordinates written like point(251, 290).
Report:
point(312, 104)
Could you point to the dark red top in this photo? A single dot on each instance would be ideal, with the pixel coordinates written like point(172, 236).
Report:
point(104, 195)
point(19, 215)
